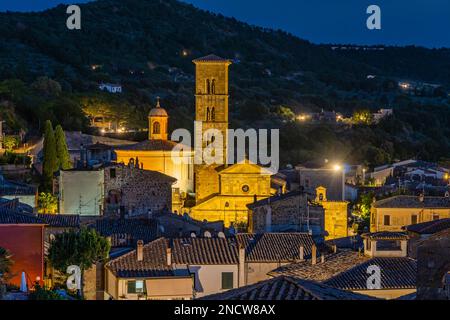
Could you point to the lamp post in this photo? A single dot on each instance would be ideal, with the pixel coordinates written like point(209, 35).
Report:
point(337, 168)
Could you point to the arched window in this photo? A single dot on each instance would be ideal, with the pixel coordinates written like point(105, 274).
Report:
point(213, 86)
point(208, 86)
point(213, 114)
point(156, 128)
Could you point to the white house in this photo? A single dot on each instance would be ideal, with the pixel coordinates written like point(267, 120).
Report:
point(110, 87)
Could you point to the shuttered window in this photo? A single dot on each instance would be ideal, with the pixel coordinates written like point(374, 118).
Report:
point(227, 280)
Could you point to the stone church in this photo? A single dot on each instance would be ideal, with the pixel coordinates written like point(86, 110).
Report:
point(222, 191)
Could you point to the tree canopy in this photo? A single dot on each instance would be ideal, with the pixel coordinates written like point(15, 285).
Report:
point(82, 248)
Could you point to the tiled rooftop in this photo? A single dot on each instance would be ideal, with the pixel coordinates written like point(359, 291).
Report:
point(126, 232)
point(287, 288)
point(217, 251)
point(333, 265)
point(385, 235)
point(275, 246)
point(396, 273)
point(404, 201)
point(8, 216)
point(429, 227)
point(211, 58)
point(151, 145)
point(61, 220)
point(154, 263)
point(205, 251)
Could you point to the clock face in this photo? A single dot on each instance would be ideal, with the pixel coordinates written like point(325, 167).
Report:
point(245, 188)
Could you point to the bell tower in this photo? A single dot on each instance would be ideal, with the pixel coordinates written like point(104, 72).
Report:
point(158, 123)
point(211, 109)
point(211, 96)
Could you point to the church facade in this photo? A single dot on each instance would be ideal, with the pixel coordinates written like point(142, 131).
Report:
point(222, 191)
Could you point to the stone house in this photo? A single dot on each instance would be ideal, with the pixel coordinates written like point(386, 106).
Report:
point(391, 214)
point(421, 231)
point(433, 266)
point(132, 191)
point(209, 265)
point(289, 212)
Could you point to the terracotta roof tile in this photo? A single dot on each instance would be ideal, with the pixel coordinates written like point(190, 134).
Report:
point(154, 263)
point(287, 288)
point(275, 246)
point(334, 264)
point(8, 216)
point(126, 232)
point(205, 251)
point(385, 235)
point(429, 227)
point(404, 201)
point(61, 220)
point(151, 145)
point(396, 273)
point(211, 58)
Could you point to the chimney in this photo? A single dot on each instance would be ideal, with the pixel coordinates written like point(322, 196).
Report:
point(241, 282)
point(302, 253)
point(421, 197)
point(322, 258)
point(140, 250)
point(169, 256)
point(313, 254)
point(334, 248)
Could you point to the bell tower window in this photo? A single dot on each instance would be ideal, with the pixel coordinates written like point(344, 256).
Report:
point(213, 86)
point(208, 86)
point(156, 128)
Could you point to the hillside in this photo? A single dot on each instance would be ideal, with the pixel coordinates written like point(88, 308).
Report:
point(148, 45)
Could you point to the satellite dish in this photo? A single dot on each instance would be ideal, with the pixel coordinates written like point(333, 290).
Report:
point(221, 235)
point(193, 235)
point(207, 234)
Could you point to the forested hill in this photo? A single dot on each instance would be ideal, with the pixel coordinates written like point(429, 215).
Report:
point(148, 46)
point(125, 35)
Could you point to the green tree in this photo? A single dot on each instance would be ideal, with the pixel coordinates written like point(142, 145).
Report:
point(363, 207)
point(83, 248)
point(61, 149)
point(47, 86)
point(47, 203)
point(5, 268)
point(10, 142)
point(40, 293)
point(50, 163)
point(362, 117)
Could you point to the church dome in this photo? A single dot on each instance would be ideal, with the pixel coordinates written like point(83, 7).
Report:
point(158, 111)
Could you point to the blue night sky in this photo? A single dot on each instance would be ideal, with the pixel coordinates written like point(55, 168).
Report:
point(404, 22)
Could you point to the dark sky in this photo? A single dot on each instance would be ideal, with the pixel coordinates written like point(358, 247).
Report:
point(404, 22)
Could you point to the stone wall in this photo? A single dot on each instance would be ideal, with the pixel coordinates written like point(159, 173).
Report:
point(287, 214)
point(433, 263)
point(136, 190)
point(94, 283)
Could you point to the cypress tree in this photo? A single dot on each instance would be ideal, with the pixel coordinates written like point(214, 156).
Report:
point(50, 163)
point(61, 149)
